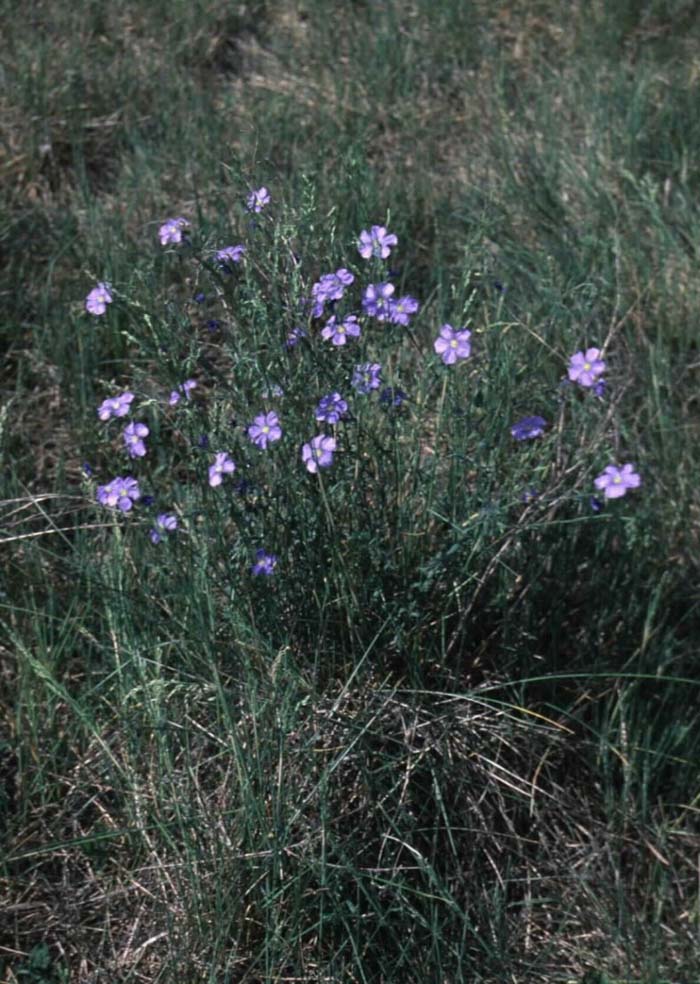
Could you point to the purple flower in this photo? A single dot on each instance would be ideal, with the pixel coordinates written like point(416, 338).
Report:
point(595, 504)
point(170, 233)
point(453, 345)
point(265, 563)
point(222, 466)
point(115, 406)
point(585, 367)
point(257, 200)
point(376, 300)
point(528, 427)
point(331, 287)
point(120, 493)
point(317, 306)
point(615, 481)
point(401, 310)
point(186, 388)
point(87, 469)
point(318, 453)
point(293, 338)
point(331, 408)
point(265, 430)
point(228, 255)
point(213, 324)
point(203, 441)
point(367, 377)
point(334, 284)
point(600, 388)
point(165, 523)
point(529, 494)
point(338, 332)
point(392, 397)
point(376, 243)
point(199, 297)
point(133, 439)
point(97, 300)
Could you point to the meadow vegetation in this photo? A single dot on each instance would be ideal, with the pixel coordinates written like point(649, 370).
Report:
point(417, 701)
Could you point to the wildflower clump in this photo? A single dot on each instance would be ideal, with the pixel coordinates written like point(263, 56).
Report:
point(405, 491)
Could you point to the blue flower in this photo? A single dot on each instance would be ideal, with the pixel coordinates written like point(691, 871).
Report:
point(331, 408)
point(367, 377)
point(377, 301)
point(120, 493)
point(265, 563)
point(528, 427)
point(165, 523)
point(390, 396)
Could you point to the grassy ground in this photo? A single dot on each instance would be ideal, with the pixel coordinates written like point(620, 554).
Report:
point(453, 737)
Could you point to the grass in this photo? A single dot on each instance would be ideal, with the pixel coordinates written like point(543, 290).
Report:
point(454, 736)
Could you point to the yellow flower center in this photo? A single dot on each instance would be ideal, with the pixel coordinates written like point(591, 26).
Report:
point(617, 479)
point(453, 343)
point(266, 429)
point(587, 366)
